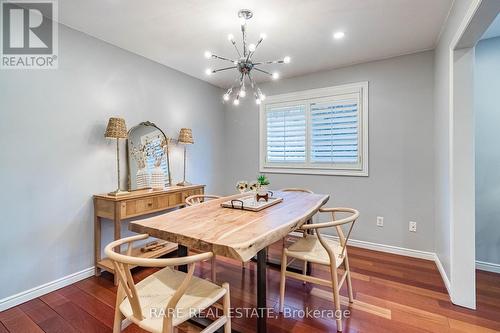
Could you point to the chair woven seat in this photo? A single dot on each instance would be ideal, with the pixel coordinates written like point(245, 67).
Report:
point(310, 249)
point(168, 297)
point(156, 290)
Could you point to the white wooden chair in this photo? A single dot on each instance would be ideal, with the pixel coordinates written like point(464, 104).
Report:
point(300, 230)
point(323, 251)
point(166, 298)
point(199, 198)
point(296, 189)
point(196, 200)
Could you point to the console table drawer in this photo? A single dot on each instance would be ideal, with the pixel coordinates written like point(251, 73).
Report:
point(175, 199)
point(148, 205)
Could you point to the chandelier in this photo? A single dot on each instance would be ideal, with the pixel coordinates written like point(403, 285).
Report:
point(244, 64)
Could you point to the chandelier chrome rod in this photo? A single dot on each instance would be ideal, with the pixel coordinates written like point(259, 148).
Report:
point(244, 33)
point(222, 58)
point(241, 84)
point(280, 61)
point(257, 93)
point(254, 86)
point(230, 90)
point(236, 47)
point(222, 69)
point(262, 71)
point(252, 82)
point(250, 54)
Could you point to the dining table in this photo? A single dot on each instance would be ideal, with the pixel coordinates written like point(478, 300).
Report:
point(233, 232)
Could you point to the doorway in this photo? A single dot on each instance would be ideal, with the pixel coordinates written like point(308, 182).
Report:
point(462, 157)
point(487, 151)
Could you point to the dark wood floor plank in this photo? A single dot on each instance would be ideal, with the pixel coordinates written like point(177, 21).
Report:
point(45, 317)
point(102, 312)
point(16, 321)
point(101, 293)
point(73, 314)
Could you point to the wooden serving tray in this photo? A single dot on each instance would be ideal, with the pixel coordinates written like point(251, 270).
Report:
point(249, 203)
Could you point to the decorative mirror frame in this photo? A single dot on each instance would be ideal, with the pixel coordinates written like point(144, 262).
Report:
point(167, 153)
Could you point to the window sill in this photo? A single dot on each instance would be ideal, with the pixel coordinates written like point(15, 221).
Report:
point(315, 171)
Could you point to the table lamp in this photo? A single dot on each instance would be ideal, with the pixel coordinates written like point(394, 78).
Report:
point(117, 129)
point(185, 138)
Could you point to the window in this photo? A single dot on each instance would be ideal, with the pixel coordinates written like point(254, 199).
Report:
point(286, 134)
point(321, 131)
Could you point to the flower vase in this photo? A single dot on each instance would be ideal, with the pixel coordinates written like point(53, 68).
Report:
point(143, 178)
point(157, 179)
point(262, 190)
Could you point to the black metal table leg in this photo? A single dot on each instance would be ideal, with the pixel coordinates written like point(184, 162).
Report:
point(308, 269)
point(182, 251)
point(261, 291)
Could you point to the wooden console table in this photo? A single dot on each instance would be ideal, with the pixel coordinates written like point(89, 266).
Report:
point(136, 204)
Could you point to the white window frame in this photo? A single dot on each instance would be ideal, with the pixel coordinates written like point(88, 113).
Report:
point(307, 97)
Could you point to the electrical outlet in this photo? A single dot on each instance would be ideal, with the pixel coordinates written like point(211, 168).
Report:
point(412, 226)
point(380, 221)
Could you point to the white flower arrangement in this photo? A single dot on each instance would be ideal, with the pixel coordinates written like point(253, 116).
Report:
point(242, 186)
point(260, 184)
point(254, 186)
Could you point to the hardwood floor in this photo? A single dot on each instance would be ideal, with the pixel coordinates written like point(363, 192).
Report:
point(393, 294)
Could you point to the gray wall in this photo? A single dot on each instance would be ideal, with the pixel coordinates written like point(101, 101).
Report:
point(54, 155)
point(487, 125)
point(442, 132)
point(400, 184)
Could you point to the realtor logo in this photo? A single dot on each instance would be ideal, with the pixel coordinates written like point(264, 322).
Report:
point(29, 34)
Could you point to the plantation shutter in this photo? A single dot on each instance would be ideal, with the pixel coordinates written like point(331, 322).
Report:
point(335, 132)
point(286, 134)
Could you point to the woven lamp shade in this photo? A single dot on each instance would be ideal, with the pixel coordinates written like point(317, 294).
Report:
point(116, 128)
point(186, 136)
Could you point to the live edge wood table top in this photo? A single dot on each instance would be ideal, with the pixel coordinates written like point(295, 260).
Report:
point(235, 233)
point(232, 233)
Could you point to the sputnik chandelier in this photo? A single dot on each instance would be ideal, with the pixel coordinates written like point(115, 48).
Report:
point(244, 64)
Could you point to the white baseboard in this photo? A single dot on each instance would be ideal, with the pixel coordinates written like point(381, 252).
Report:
point(488, 266)
point(399, 251)
point(392, 249)
point(43, 289)
point(445, 278)
point(383, 248)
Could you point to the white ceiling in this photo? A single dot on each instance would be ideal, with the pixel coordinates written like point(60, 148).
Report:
point(493, 30)
point(176, 33)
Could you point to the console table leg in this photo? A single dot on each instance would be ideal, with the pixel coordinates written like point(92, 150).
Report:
point(117, 232)
point(97, 244)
